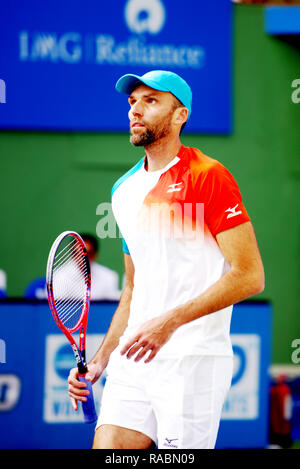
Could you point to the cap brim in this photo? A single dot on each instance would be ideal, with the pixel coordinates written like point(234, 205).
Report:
point(127, 83)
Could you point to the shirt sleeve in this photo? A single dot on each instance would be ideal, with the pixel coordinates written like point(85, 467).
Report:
point(125, 247)
point(223, 205)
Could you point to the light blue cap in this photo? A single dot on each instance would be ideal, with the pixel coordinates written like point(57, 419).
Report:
point(161, 80)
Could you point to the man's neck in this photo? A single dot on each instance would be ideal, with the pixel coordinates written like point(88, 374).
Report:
point(160, 153)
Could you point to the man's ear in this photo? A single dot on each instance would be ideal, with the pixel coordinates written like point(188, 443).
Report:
point(181, 115)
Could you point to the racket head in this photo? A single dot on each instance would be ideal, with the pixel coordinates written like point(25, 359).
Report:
point(68, 279)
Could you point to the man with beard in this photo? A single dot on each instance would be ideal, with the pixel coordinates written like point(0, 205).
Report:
point(190, 253)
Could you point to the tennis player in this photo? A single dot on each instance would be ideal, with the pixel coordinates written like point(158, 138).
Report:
point(190, 253)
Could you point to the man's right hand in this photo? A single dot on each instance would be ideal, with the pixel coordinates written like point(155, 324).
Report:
point(77, 389)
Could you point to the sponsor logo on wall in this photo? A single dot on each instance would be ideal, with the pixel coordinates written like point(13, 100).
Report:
point(242, 402)
point(69, 67)
point(143, 18)
point(59, 360)
point(10, 391)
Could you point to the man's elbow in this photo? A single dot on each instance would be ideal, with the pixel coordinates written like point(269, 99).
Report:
point(260, 286)
point(257, 283)
point(252, 280)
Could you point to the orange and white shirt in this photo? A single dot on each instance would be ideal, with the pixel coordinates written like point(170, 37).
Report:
point(169, 220)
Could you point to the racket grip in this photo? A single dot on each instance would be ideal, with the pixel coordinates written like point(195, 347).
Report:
point(88, 406)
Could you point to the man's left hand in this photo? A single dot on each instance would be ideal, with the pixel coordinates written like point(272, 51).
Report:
point(150, 337)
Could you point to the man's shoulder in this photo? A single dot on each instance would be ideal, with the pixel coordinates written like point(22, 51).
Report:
point(201, 164)
point(209, 175)
point(127, 175)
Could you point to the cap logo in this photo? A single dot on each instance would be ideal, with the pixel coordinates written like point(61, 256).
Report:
point(145, 16)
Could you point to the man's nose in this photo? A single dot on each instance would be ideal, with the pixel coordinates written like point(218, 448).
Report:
point(136, 108)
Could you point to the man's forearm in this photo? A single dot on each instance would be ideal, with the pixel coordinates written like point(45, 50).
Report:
point(117, 327)
point(233, 287)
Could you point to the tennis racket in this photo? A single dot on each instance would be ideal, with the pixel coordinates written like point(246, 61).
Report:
point(68, 280)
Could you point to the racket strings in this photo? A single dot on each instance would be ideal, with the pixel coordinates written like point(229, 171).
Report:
point(63, 251)
point(67, 316)
point(67, 308)
point(69, 296)
point(82, 271)
point(70, 274)
point(68, 255)
point(71, 255)
point(70, 307)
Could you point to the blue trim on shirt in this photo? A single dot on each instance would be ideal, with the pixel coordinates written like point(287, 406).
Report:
point(129, 173)
point(125, 247)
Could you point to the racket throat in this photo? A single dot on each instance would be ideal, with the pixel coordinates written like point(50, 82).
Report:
point(80, 360)
point(82, 368)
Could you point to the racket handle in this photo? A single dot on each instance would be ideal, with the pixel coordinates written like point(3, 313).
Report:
point(88, 406)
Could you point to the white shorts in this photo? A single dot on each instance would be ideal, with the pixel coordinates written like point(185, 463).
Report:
point(176, 402)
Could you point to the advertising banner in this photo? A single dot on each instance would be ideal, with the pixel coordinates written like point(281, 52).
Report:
point(35, 409)
point(60, 61)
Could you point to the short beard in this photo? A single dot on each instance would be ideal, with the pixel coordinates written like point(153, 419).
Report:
point(151, 134)
point(145, 139)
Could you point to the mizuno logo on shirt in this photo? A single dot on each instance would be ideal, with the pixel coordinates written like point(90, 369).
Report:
point(232, 212)
point(174, 187)
point(170, 443)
